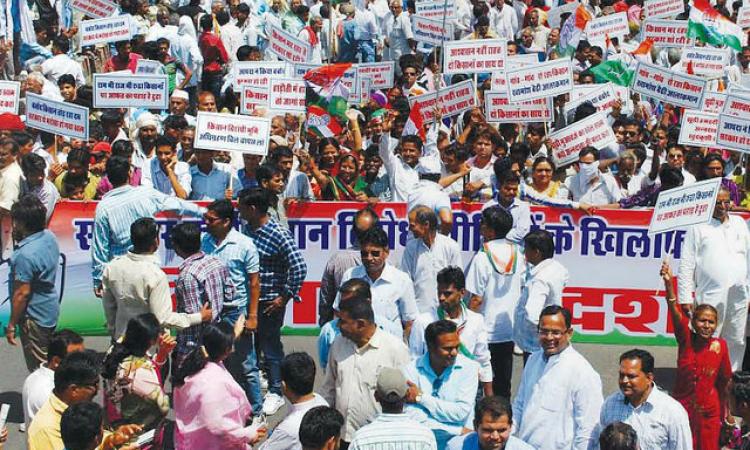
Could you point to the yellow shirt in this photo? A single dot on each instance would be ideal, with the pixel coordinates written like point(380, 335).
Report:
point(44, 431)
point(89, 192)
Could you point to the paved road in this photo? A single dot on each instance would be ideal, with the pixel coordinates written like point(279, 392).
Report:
point(604, 358)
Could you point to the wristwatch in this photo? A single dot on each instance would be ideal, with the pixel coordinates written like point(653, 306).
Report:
point(418, 398)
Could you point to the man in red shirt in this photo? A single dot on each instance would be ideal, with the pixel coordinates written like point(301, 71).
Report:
point(214, 57)
point(124, 59)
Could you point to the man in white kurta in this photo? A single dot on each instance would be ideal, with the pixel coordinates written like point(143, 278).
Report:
point(713, 264)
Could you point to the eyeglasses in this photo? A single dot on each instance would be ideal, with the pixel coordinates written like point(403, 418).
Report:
point(554, 333)
point(631, 133)
point(675, 156)
point(410, 74)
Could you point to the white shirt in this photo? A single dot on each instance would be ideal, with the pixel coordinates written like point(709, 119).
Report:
point(60, 65)
point(286, 434)
point(521, 213)
point(472, 333)
point(352, 376)
point(504, 22)
point(543, 287)
point(602, 192)
point(499, 293)
point(232, 38)
point(422, 264)
point(558, 401)
point(393, 431)
point(660, 422)
point(10, 184)
point(36, 390)
point(392, 297)
point(483, 174)
point(399, 32)
point(713, 259)
point(430, 194)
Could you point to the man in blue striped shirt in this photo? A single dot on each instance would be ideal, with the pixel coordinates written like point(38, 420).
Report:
point(119, 208)
point(282, 271)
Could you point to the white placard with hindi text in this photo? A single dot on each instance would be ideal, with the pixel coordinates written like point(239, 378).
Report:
point(676, 88)
point(684, 206)
point(698, 128)
point(127, 91)
point(658, 9)
point(706, 61)
point(97, 9)
point(435, 9)
point(244, 134)
point(602, 98)
point(453, 100)
point(381, 74)
point(287, 95)
point(567, 142)
point(63, 118)
point(666, 33)
point(253, 98)
point(614, 25)
point(499, 110)
point(733, 133)
point(431, 31)
point(102, 31)
point(287, 47)
point(543, 80)
point(743, 16)
point(483, 55)
point(256, 73)
point(9, 94)
point(148, 67)
point(713, 102)
point(737, 105)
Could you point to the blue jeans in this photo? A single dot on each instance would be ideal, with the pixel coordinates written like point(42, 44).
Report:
point(367, 51)
point(269, 339)
point(243, 363)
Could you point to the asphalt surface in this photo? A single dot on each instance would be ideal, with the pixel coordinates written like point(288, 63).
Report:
point(604, 358)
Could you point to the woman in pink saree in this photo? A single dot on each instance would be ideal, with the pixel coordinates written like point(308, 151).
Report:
point(211, 409)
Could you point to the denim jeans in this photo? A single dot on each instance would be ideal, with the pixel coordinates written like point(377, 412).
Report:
point(269, 339)
point(242, 363)
point(367, 51)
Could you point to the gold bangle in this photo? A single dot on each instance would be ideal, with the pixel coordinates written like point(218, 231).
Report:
point(671, 300)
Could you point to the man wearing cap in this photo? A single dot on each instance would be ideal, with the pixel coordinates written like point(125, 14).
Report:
point(9, 123)
point(392, 426)
point(179, 102)
point(442, 383)
point(144, 139)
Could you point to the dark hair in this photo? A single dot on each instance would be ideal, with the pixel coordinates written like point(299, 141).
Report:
point(618, 436)
point(123, 149)
point(77, 368)
point(79, 155)
point(374, 236)
point(318, 425)
point(298, 373)
point(223, 209)
point(413, 139)
point(670, 176)
point(30, 213)
point(206, 22)
point(265, 172)
point(143, 234)
point(358, 287)
point(118, 170)
point(540, 160)
point(58, 345)
point(22, 138)
point(711, 157)
point(217, 339)
point(358, 308)
point(493, 405)
point(166, 141)
point(140, 335)
point(452, 275)
point(647, 359)
point(589, 150)
point(243, 8)
point(282, 151)
point(80, 425)
point(257, 197)
point(705, 306)
point(425, 215)
point(66, 78)
point(244, 51)
point(175, 122)
point(458, 151)
point(553, 310)
point(541, 240)
point(508, 176)
point(186, 236)
point(121, 44)
point(437, 328)
point(61, 43)
point(32, 163)
point(498, 219)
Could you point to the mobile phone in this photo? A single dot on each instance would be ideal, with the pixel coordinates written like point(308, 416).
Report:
point(145, 438)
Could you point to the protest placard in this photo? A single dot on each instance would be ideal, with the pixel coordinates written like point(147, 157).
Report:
point(553, 16)
point(287, 95)
point(363, 91)
point(453, 100)
point(706, 61)
point(614, 25)
point(684, 206)
point(127, 91)
point(698, 128)
point(288, 47)
point(148, 67)
point(253, 98)
point(713, 102)
point(63, 118)
point(733, 133)
point(666, 33)
point(436, 9)
point(380, 74)
point(676, 88)
point(737, 104)
point(566, 143)
point(743, 17)
point(110, 29)
point(543, 80)
point(256, 73)
point(499, 110)
point(484, 55)
point(244, 134)
point(657, 9)
point(602, 98)
point(9, 93)
point(431, 31)
point(97, 9)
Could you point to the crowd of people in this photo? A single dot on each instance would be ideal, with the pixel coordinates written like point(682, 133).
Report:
point(417, 352)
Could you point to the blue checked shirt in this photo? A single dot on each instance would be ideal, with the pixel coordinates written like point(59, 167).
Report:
point(203, 279)
point(238, 252)
point(282, 267)
point(117, 210)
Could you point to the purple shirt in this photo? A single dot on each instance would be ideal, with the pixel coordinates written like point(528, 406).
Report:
point(105, 186)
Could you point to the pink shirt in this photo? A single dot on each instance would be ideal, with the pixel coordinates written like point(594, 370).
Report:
point(210, 411)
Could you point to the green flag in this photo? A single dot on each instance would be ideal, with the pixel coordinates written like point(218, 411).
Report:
point(615, 71)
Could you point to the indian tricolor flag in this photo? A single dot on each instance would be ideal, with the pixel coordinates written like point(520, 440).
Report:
point(572, 30)
point(325, 97)
point(706, 24)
